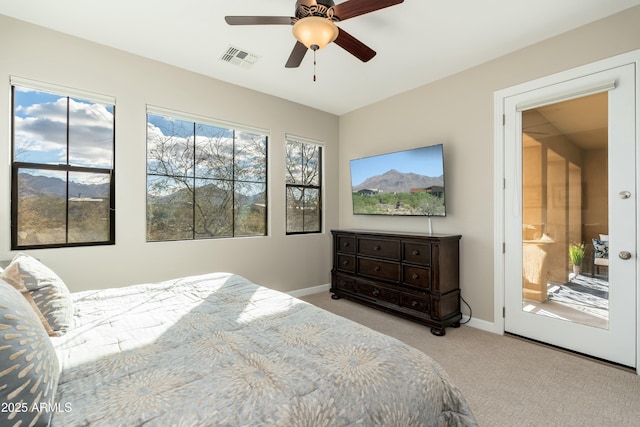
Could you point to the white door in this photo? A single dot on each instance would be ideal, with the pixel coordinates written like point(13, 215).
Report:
point(570, 180)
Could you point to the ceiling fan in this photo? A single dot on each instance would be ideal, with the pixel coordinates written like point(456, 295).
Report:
point(314, 26)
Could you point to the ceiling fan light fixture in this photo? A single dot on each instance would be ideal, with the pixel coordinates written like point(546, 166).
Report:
point(315, 32)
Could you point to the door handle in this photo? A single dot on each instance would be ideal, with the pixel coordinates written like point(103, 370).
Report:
point(624, 194)
point(624, 255)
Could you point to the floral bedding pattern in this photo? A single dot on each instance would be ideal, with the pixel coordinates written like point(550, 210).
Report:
point(219, 350)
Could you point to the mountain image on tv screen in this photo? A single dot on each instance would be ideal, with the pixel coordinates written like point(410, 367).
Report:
point(409, 182)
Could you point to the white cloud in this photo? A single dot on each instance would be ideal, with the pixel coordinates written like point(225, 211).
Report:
point(41, 133)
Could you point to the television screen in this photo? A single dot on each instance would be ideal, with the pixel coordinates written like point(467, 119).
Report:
point(409, 182)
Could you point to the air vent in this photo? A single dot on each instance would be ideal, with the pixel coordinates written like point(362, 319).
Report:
point(239, 57)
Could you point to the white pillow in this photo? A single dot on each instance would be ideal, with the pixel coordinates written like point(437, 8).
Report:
point(604, 237)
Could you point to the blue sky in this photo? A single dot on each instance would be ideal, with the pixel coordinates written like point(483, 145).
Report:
point(424, 161)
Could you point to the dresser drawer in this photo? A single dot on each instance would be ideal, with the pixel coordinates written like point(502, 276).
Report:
point(417, 253)
point(379, 248)
point(379, 269)
point(380, 293)
point(346, 243)
point(417, 276)
point(346, 263)
point(415, 302)
point(345, 283)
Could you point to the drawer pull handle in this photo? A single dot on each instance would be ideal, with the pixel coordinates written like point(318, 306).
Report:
point(376, 248)
point(414, 303)
point(346, 244)
point(416, 252)
point(376, 292)
point(345, 262)
point(377, 268)
point(415, 276)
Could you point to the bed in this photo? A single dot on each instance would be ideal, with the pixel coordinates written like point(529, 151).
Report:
point(212, 349)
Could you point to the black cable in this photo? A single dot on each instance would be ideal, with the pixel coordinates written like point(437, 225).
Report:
point(470, 312)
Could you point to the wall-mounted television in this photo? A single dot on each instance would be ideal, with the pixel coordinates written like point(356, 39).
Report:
point(408, 183)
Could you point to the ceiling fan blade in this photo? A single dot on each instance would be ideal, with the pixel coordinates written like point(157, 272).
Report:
point(259, 20)
point(297, 54)
point(351, 8)
point(354, 46)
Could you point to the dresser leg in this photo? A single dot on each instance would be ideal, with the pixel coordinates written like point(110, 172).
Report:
point(438, 332)
point(334, 296)
point(456, 325)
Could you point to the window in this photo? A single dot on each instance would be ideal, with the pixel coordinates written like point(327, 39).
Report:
point(63, 190)
point(304, 185)
point(204, 179)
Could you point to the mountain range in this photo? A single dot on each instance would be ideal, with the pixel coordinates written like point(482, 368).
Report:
point(46, 186)
point(394, 181)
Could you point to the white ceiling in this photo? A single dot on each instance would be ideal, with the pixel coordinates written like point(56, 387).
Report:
point(417, 42)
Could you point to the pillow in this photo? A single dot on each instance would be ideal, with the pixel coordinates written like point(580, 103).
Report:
point(27, 295)
point(604, 237)
point(29, 368)
point(601, 248)
point(49, 293)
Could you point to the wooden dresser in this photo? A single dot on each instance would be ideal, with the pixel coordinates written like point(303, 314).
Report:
point(412, 275)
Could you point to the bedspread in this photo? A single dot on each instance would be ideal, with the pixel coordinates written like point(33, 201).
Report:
point(219, 350)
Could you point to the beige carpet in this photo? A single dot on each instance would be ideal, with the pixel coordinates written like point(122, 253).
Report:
point(512, 382)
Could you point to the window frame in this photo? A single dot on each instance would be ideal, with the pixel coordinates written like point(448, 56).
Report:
point(234, 128)
point(320, 187)
point(67, 168)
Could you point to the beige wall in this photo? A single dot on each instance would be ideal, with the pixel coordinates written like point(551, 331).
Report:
point(284, 263)
point(458, 112)
point(596, 194)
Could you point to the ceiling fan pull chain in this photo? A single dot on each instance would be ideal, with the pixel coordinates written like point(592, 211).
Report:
point(314, 64)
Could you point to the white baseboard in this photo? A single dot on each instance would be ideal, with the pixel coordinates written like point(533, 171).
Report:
point(310, 291)
point(479, 324)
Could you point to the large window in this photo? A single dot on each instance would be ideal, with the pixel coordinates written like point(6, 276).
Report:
point(204, 179)
point(303, 185)
point(63, 191)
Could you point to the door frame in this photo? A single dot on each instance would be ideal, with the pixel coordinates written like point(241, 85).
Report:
point(500, 173)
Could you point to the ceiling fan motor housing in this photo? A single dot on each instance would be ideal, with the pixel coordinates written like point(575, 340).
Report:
point(322, 8)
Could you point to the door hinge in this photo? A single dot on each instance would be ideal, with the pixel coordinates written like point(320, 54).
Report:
point(504, 247)
point(504, 120)
point(503, 312)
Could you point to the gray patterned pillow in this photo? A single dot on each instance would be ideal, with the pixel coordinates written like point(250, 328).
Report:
point(29, 369)
point(601, 248)
point(50, 295)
